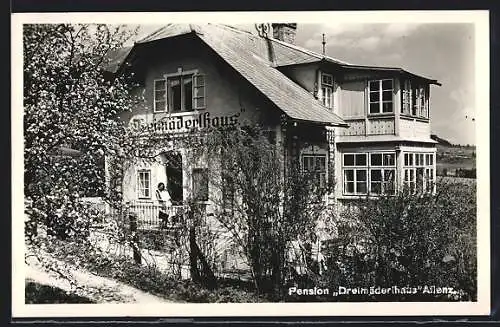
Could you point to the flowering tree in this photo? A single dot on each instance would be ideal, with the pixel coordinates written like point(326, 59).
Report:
point(70, 101)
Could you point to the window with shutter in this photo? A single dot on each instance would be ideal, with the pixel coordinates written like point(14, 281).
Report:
point(159, 95)
point(182, 92)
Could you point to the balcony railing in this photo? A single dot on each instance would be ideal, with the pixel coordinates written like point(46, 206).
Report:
point(155, 216)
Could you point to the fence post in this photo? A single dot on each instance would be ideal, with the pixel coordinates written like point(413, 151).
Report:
point(135, 237)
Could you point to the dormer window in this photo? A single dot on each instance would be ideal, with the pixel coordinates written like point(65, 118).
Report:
point(380, 96)
point(181, 92)
point(327, 90)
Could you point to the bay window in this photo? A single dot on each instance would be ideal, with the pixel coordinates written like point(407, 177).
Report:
point(418, 172)
point(414, 99)
point(382, 173)
point(369, 173)
point(380, 94)
point(355, 173)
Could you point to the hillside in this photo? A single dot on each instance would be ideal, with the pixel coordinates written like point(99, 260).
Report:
point(441, 141)
point(451, 157)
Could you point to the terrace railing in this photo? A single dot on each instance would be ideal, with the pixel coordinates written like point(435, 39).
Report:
point(150, 215)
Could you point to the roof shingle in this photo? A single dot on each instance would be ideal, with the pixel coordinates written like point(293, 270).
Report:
point(249, 55)
point(291, 98)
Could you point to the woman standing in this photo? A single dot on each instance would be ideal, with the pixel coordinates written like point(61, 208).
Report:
point(165, 202)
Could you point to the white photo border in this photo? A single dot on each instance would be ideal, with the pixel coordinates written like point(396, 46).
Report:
point(480, 19)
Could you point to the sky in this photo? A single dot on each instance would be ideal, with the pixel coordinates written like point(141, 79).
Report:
point(441, 51)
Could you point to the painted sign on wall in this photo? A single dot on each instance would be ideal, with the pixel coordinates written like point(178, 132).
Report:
point(185, 123)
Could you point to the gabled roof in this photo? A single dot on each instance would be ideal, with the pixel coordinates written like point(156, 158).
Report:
point(257, 58)
point(291, 54)
point(290, 97)
point(248, 55)
point(167, 31)
point(115, 58)
point(284, 53)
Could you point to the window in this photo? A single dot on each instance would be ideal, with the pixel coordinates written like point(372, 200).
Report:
point(429, 159)
point(327, 90)
point(200, 184)
point(355, 178)
point(371, 173)
point(419, 172)
point(420, 105)
point(137, 123)
point(380, 96)
point(180, 93)
point(382, 173)
point(355, 159)
point(144, 184)
point(315, 164)
point(418, 102)
point(415, 99)
point(429, 178)
point(406, 100)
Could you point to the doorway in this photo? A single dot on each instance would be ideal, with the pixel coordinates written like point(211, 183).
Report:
point(173, 170)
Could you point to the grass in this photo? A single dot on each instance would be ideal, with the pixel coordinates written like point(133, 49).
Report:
point(455, 165)
point(451, 158)
point(456, 180)
point(152, 280)
point(36, 293)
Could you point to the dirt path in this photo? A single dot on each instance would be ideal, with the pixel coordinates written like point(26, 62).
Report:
point(84, 283)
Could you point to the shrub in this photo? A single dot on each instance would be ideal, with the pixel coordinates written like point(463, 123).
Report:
point(36, 293)
point(408, 240)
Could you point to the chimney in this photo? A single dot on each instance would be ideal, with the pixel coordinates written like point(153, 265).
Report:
point(285, 32)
